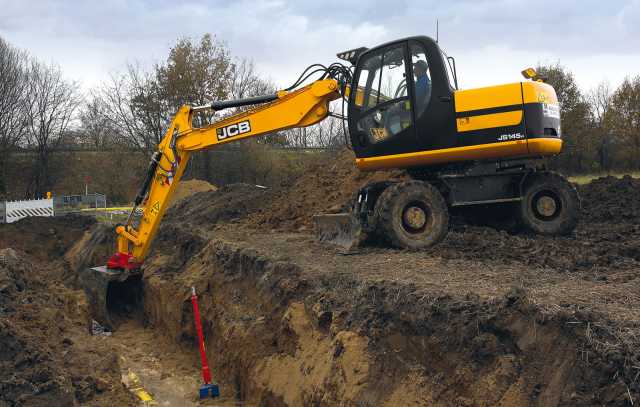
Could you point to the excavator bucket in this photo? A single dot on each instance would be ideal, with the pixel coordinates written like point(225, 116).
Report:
point(110, 292)
point(340, 229)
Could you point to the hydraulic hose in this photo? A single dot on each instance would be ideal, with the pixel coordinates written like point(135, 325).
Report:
point(151, 171)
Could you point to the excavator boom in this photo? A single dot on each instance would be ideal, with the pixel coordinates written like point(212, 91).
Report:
point(303, 107)
point(299, 108)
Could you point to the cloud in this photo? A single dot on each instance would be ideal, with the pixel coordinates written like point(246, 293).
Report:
point(491, 39)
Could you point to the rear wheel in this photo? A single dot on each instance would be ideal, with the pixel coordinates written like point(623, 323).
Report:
point(550, 204)
point(412, 215)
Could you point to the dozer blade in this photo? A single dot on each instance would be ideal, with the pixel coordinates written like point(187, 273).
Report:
point(341, 229)
point(108, 291)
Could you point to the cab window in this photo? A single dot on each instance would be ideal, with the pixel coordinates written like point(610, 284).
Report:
point(421, 77)
point(382, 94)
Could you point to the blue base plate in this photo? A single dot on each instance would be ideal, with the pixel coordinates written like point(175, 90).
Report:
point(209, 390)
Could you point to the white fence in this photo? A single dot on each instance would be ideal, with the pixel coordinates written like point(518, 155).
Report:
point(16, 210)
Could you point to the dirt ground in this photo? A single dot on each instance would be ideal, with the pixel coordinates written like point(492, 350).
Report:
point(489, 317)
point(47, 355)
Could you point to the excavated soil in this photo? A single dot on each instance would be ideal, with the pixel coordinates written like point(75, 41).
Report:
point(47, 356)
point(187, 188)
point(489, 317)
point(326, 187)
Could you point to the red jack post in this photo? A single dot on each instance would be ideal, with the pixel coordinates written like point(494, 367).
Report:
point(207, 389)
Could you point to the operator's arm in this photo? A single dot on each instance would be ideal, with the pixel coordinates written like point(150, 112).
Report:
point(303, 107)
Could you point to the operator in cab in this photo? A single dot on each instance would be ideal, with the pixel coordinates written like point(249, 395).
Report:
point(423, 85)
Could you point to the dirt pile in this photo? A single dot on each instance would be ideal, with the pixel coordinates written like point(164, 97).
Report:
point(593, 247)
point(611, 200)
point(187, 188)
point(327, 187)
point(47, 356)
point(584, 281)
point(229, 203)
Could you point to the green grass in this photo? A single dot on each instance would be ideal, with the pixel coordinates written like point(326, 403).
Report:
point(585, 179)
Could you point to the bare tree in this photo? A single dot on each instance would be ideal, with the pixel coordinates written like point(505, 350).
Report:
point(134, 108)
point(245, 82)
point(328, 133)
point(599, 100)
point(96, 129)
point(13, 123)
point(196, 73)
point(51, 106)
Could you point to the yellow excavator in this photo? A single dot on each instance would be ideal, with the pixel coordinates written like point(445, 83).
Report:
point(404, 110)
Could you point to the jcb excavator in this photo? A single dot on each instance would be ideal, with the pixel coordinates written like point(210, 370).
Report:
point(461, 147)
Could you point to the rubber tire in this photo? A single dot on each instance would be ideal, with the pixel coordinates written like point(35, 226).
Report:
point(389, 210)
point(564, 222)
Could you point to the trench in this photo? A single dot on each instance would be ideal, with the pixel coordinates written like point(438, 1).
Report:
point(169, 371)
point(276, 337)
point(124, 298)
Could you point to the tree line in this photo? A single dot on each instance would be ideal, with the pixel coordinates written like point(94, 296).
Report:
point(37, 106)
point(44, 113)
point(600, 127)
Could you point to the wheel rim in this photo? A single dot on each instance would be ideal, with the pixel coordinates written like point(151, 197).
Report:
point(415, 218)
point(546, 205)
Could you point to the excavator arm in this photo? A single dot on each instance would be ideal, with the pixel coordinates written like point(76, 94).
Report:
point(299, 108)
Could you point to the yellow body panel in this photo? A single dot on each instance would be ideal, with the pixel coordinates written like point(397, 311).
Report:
point(544, 146)
point(516, 148)
point(489, 97)
point(538, 92)
point(486, 121)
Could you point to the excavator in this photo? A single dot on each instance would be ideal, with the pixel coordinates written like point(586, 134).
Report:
point(404, 110)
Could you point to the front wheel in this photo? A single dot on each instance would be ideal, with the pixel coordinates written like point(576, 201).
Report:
point(412, 215)
point(550, 204)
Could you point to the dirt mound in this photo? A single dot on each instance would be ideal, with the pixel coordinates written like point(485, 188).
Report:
point(611, 200)
point(187, 188)
point(47, 356)
point(327, 187)
point(229, 203)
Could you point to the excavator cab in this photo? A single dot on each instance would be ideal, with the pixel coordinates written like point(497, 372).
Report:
point(404, 101)
point(408, 113)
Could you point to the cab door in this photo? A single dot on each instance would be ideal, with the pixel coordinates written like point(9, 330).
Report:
point(433, 96)
point(381, 117)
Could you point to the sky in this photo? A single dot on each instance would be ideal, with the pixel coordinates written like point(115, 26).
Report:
point(492, 40)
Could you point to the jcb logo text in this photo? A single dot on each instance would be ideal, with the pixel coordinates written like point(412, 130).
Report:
point(232, 130)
